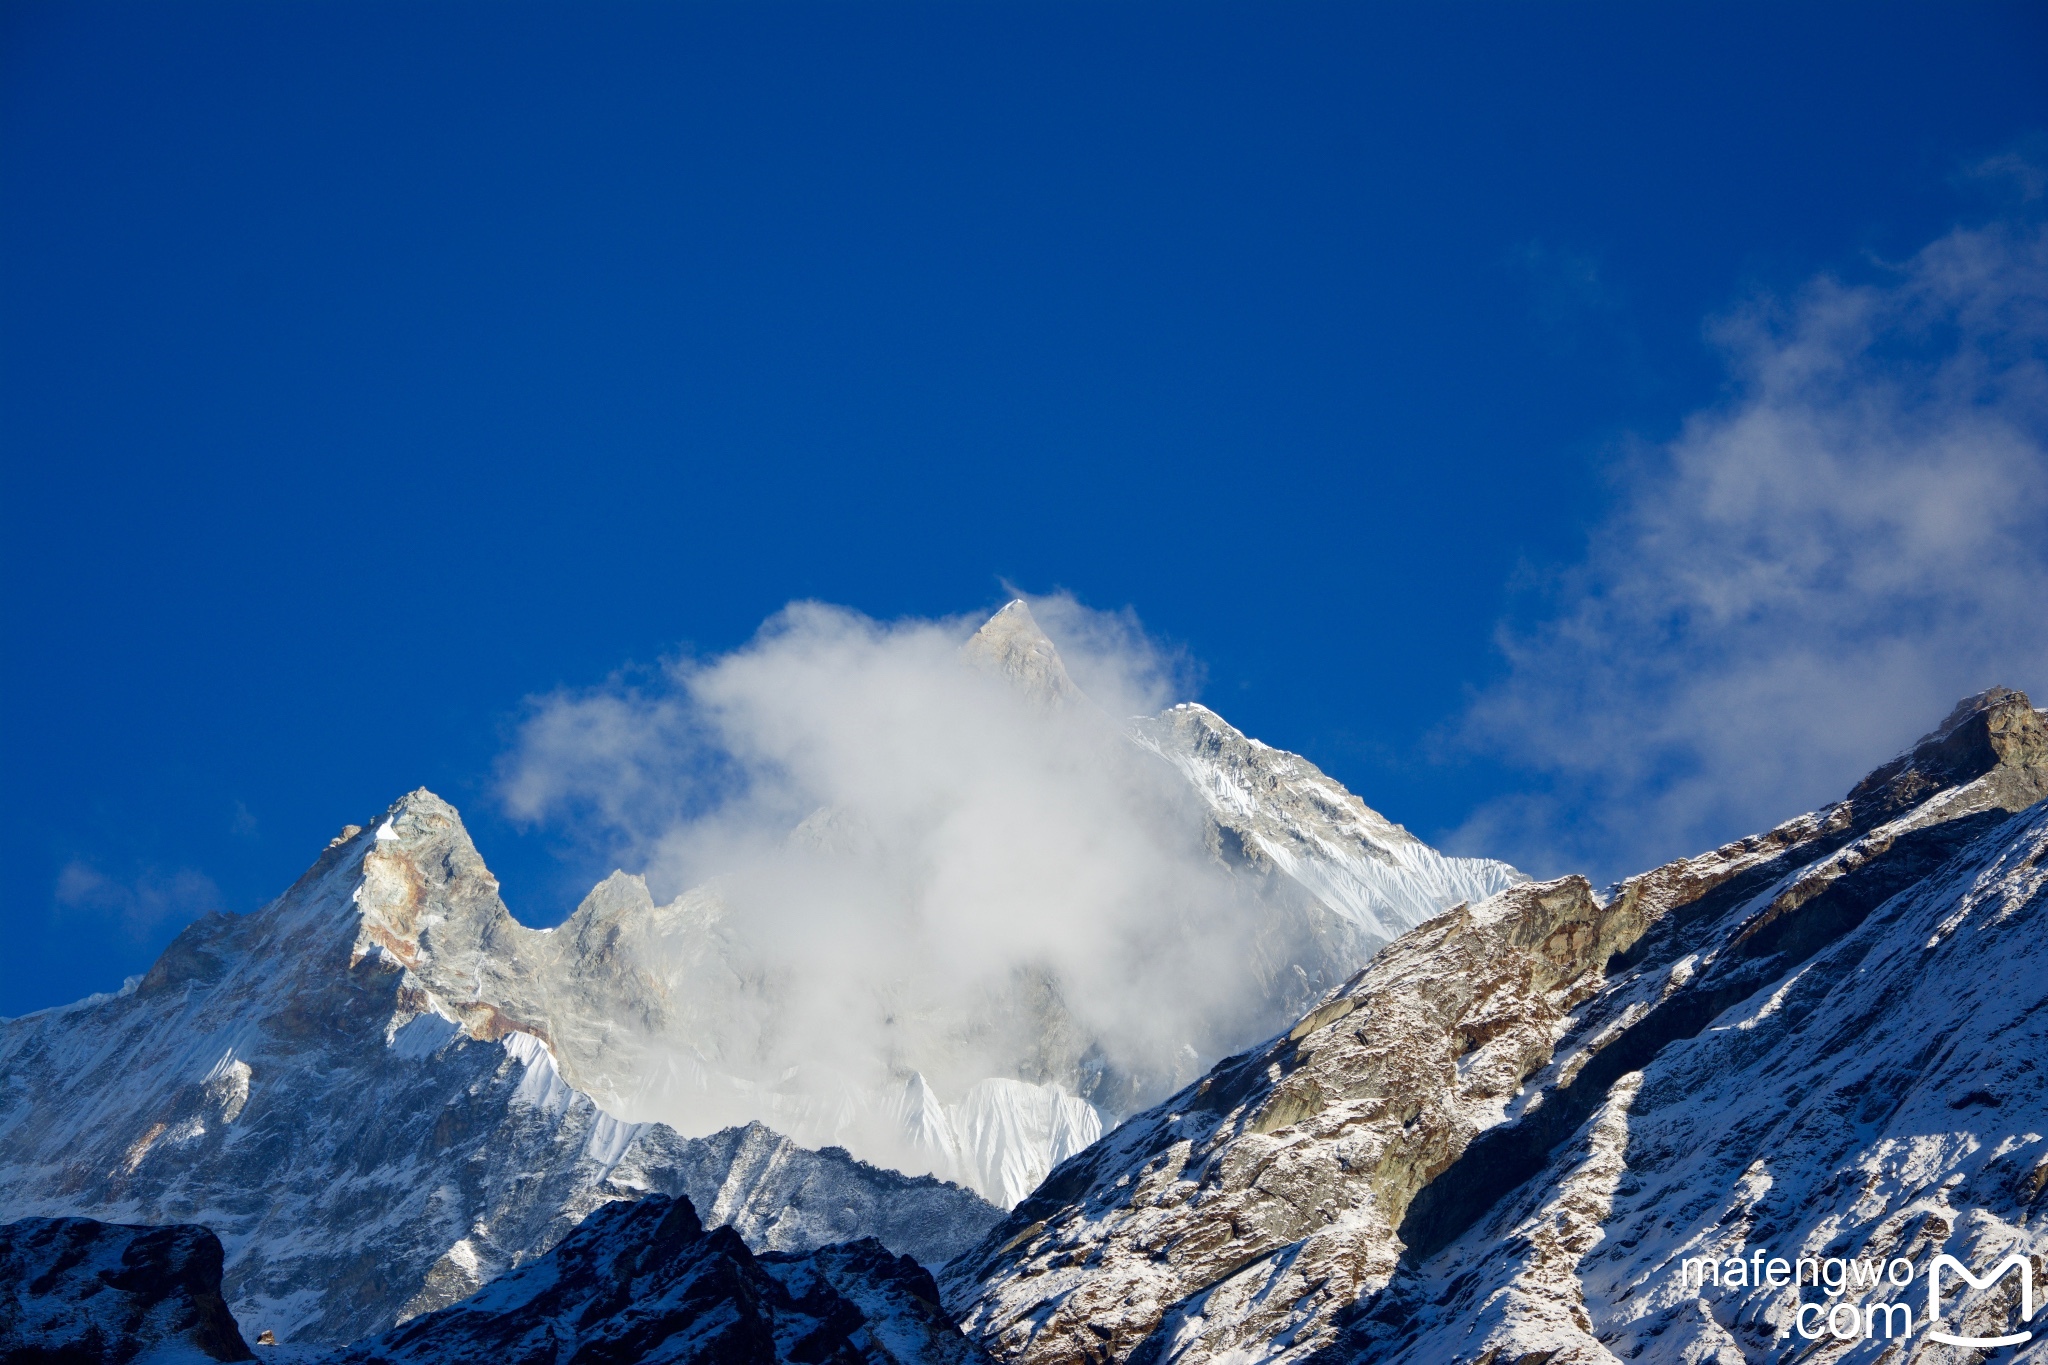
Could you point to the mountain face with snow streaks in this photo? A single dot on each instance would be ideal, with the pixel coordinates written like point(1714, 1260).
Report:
point(357, 1089)
point(1276, 810)
point(1499, 1141)
point(1882, 1102)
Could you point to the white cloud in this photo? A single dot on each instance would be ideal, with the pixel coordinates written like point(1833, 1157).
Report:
point(1801, 582)
point(976, 849)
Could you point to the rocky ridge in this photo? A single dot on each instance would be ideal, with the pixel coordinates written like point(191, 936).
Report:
point(1424, 1164)
point(644, 1282)
point(354, 1089)
point(1278, 818)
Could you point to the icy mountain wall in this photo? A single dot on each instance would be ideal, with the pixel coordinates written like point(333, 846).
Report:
point(1503, 1138)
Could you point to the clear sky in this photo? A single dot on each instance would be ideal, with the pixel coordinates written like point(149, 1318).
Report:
point(367, 370)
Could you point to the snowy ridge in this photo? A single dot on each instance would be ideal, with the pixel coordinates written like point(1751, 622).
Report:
point(1350, 858)
point(1499, 1141)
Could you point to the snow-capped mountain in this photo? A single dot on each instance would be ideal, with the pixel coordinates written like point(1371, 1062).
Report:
point(381, 1091)
point(1505, 1138)
point(357, 1089)
point(1544, 1125)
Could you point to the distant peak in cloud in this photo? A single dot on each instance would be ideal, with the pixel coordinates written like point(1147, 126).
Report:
point(1011, 645)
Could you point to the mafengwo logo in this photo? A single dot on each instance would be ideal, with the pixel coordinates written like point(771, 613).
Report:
point(1847, 1319)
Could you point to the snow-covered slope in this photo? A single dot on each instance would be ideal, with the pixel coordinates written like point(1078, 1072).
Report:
point(643, 1282)
point(1500, 1140)
point(78, 1292)
point(1003, 1137)
point(358, 1089)
point(1280, 810)
point(1886, 1100)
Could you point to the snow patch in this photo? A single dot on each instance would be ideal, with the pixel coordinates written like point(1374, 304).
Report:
point(542, 1087)
point(609, 1138)
point(423, 1035)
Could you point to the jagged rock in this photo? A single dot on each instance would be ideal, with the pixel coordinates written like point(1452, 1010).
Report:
point(78, 1292)
point(644, 1282)
point(1819, 1037)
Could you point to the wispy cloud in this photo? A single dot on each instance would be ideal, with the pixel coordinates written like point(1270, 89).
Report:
point(1804, 579)
point(138, 907)
point(969, 861)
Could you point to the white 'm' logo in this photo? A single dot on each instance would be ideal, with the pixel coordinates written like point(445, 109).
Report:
point(2019, 1263)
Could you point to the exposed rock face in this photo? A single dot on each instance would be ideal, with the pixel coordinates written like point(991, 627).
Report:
point(1010, 645)
point(644, 1282)
point(1821, 1038)
point(357, 1089)
point(1265, 1198)
point(81, 1292)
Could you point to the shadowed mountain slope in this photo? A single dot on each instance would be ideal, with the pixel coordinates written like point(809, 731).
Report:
point(78, 1292)
point(644, 1282)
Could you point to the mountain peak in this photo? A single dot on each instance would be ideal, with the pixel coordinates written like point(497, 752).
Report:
point(1996, 736)
point(1010, 645)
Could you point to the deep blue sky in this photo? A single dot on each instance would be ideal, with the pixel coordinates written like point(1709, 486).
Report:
point(365, 369)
